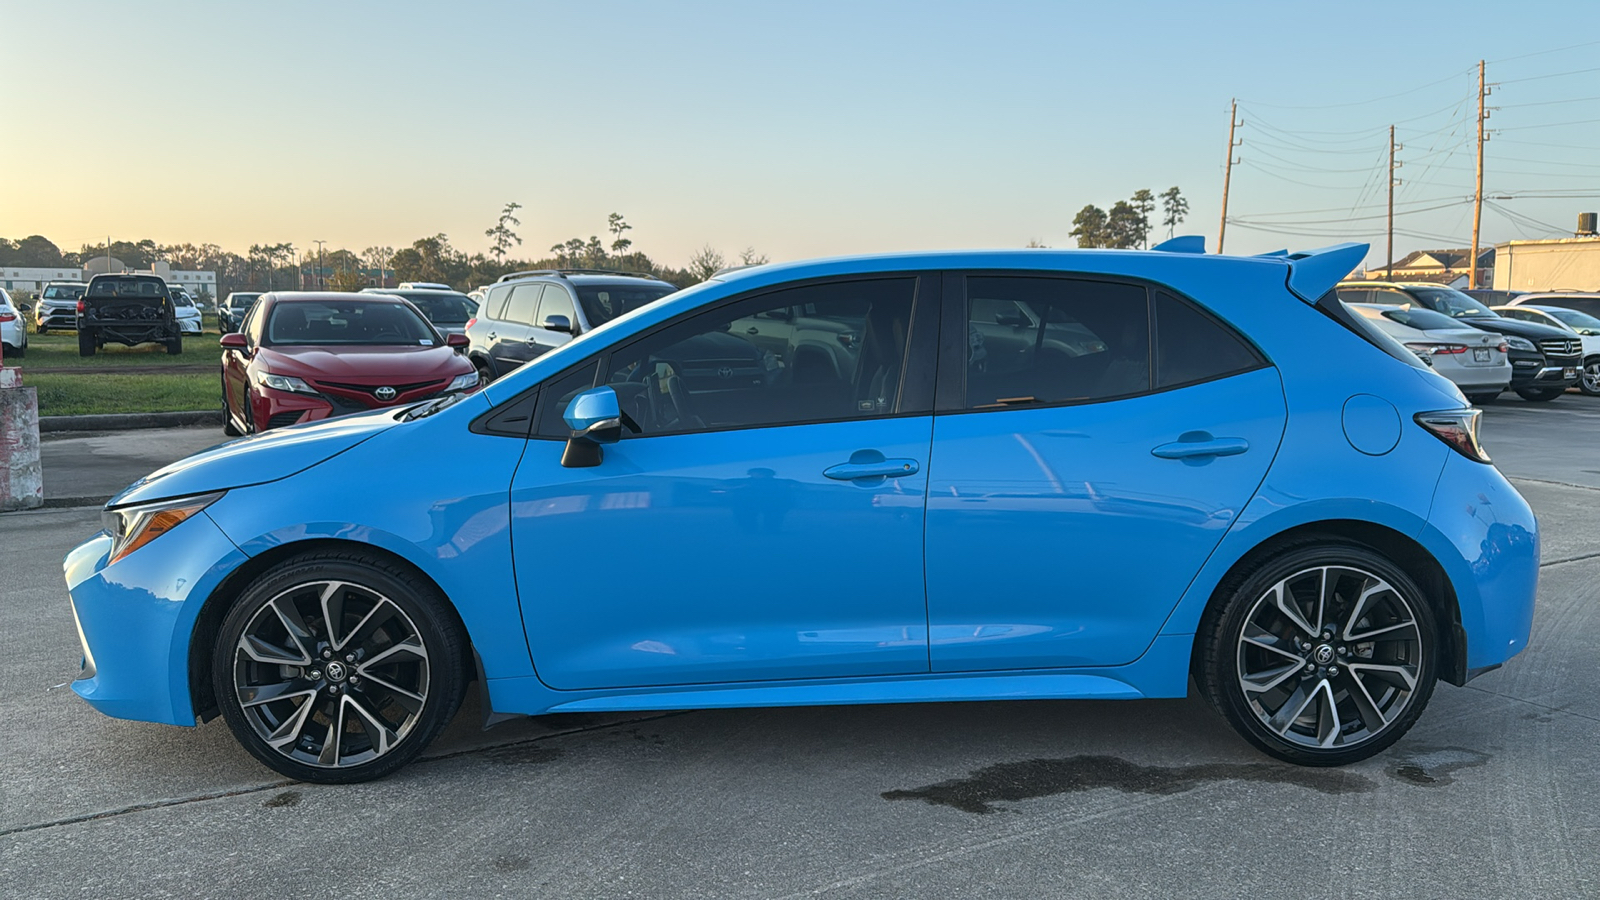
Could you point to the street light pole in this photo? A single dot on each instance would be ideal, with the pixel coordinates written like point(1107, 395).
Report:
point(319, 263)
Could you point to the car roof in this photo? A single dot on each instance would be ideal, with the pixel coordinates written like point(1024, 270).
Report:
point(1535, 295)
point(329, 297)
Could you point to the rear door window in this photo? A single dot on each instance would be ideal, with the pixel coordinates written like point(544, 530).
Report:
point(556, 303)
point(1192, 346)
point(523, 304)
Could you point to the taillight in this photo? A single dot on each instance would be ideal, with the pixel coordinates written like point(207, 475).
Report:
point(1436, 349)
point(1458, 428)
point(8, 317)
point(80, 306)
point(1504, 347)
point(472, 321)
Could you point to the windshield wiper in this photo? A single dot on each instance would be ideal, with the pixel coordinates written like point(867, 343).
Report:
point(428, 407)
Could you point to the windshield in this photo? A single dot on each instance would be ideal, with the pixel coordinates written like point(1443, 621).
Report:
point(443, 309)
point(333, 323)
point(1453, 302)
point(602, 303)
point(242, 301)
point(60, 292)
point(1574, 318)
point(1421, 318)
point(127, 287)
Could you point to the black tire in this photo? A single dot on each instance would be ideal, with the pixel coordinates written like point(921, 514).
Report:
point(1481, 399)
point(485, 370)
point(386, 687)
point(174, 345)
point(40, 329)
point(18, 352)
point(1589, 378)
point(1320, 716)
point(1540, 395)
point(86, 343)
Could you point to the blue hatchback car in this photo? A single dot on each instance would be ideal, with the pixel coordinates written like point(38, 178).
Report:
point(921, 477)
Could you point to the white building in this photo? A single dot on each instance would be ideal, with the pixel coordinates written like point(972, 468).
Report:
point(33, 278)
point(1556, 265)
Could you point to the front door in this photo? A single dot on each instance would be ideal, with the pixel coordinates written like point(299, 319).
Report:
point(1083, 479)
point(759, 527)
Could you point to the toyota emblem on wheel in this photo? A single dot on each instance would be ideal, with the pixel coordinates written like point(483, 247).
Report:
point(385, 393)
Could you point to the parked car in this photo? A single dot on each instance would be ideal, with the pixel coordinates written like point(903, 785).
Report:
point(528, 314)
point(303, 357)
point(1238, 480)
point(423, 286)
point(231, 312)
point(1492, 298)
point(1582, 301)
point(1585, 326)
point(1541, 378)
point(448, 310)
point(127, 309)
point(188, 312)
point(58, 306)
point(13, 327)
point(1475, 360)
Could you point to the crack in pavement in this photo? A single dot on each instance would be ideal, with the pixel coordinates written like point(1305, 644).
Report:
point(275, 785)
point(1554, 709)
point(1581, 558)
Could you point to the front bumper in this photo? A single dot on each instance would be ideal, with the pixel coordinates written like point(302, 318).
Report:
point(136, 617)
point(57, 318)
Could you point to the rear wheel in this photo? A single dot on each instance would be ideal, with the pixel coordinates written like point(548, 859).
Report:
point(1540, 395)
point(1481, 399)
point(337, 667)
point(174, 345)
point(1324, 656)
point(86, 342)
point(1589, 378)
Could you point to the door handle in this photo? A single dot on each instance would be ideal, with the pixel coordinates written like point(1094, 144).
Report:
point(492, 335)
point(871, 464)
point(1187, 447)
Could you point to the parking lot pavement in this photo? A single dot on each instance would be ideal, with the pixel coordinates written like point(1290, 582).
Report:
point(84, 467)
point(1491, 795)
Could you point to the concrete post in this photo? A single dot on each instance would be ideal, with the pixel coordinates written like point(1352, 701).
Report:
point(21, 476)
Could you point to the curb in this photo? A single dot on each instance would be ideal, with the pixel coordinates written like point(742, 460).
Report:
point(125, 421)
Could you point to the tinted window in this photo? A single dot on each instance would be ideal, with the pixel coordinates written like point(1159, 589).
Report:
point(443, 309)
point(1191, 346)
point(1590, 305)
point(1354, 295)
point(523, 303)
point(57, 292)
point(602, 303)
point(1386, 297)
point(556, 303)
point(704, 374)
point(554, 396)
point(1451, 302)
point(327, 322)
point(1421, 318)
point(495, 306)
point(126, 287)
point(1575, 318)
point(1065, 341)
point(252, 324)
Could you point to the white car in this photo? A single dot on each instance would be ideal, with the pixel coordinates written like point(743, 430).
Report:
point(1474, 359)
point(188, 313)
point(1586, 326)
point(13, 327)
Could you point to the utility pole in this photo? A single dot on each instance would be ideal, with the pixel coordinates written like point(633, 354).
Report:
point(1227, 172)
point(1394, 182)
point(1477, 197)
point(319, 263)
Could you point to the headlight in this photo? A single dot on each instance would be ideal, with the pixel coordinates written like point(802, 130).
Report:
point(283, 383)
point(464, 382)
point(1517, 343)
point(131, 527)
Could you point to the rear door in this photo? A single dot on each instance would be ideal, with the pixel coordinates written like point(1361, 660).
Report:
point(508, 336)
point(1079, 483)
point(555, 301)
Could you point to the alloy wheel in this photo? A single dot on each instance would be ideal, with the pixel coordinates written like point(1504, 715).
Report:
point(1329, 657)
point(331, 674)
point(1589, 379)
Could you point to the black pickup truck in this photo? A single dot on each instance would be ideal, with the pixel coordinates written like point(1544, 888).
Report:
point(127, 309)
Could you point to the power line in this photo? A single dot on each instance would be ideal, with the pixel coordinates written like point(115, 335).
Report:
point(1549, 125)
point(1543, 52)
point(1362, 102)
point(1551, 75)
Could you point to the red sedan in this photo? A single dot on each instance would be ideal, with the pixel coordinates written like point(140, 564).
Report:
point(300, 357)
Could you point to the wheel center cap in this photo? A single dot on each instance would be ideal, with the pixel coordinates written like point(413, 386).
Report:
point(335, 671)
point(1323, 654)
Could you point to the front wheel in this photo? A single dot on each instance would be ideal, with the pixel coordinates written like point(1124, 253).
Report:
point(338, 667)
point(1540, 395)
point(1589, 378)
point(1324, 656)
point(174, 345)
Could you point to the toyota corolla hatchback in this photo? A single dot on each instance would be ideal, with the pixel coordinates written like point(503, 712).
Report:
point(927, 477)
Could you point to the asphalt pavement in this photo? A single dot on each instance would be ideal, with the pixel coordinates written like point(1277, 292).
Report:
point(1490, 795)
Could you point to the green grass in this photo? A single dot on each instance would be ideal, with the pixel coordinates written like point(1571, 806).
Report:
point(76, 395)
point(55, 350)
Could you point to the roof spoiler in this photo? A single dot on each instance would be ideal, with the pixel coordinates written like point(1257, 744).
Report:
point(1313, 272)
point(1183, 243)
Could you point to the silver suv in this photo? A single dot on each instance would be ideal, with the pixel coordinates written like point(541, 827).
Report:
point(526, 314)
point(58, 306)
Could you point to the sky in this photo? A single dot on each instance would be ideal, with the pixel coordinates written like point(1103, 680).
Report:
point(799, 129)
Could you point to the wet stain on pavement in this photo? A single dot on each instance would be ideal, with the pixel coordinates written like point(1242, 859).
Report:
point(1436, 768)
point(522, 754)
point(511, 863)
point(1028, 779)
point(286, 798)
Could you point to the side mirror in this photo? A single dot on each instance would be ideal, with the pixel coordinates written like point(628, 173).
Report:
point(233, 340)
point(557, 323)
point(457, 342)
point(595, 417)
point(24, 307)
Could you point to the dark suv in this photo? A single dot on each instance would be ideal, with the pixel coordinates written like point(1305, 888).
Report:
point(231, 312)
point(526, 314)
point(127, 309)
point(1544, 361)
